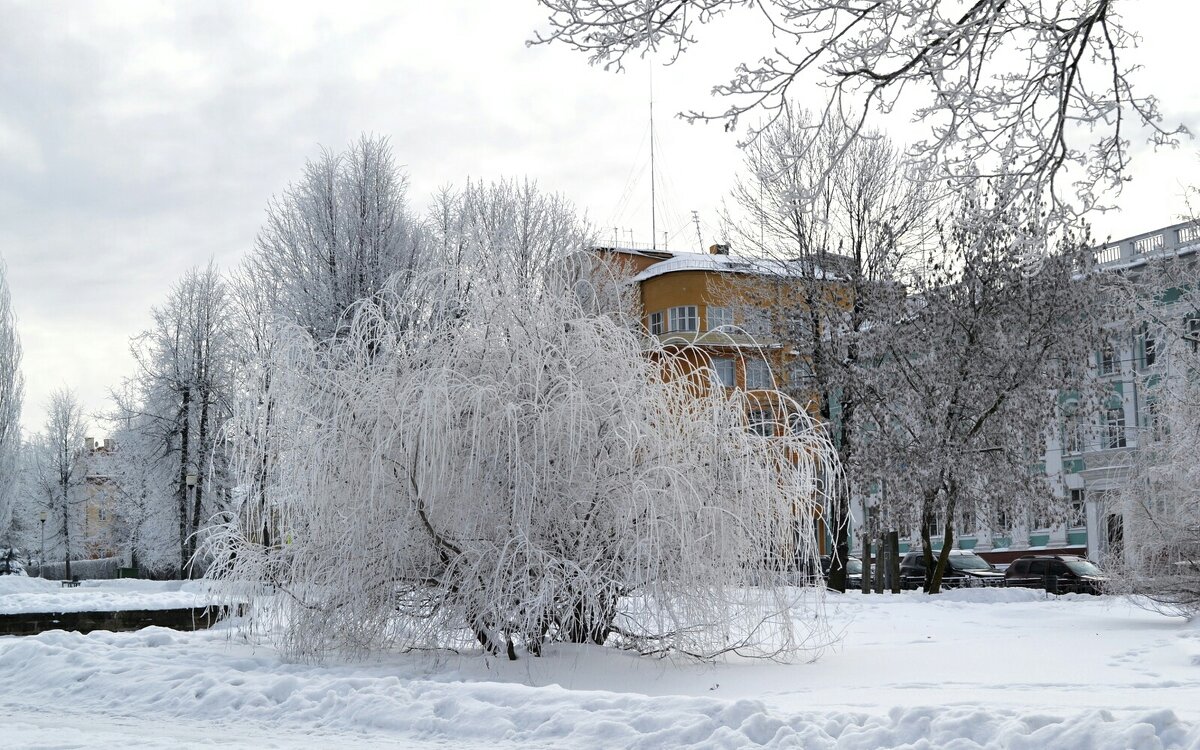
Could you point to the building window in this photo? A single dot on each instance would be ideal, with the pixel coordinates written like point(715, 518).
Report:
point(762, 422)
point(654, 323)
point(1108, 360)
point(965, 521)
point(1077, 513)
point(725, 372)
point(800, 372)
point(681, 318)
point(758, 374)
point(1191, 330)
point(1149, 347)
point(719, 316)
point(1072, 438)
point(936, 527)
point(1154, 421)
point(1041, 520)
point(1114, 427)
point(757, 323)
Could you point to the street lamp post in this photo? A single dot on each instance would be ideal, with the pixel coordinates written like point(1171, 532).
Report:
point(42, 558)
point(191, 493)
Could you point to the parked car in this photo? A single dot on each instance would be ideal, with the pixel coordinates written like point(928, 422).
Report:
point(1058, 574)
point(963, 568)
point(854, 569)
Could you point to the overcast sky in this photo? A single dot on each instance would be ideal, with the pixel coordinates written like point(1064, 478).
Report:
point(139, 139)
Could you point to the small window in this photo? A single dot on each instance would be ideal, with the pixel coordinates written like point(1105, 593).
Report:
point(654, 323)
point(762, 422)
point(1072, 437)
point(1041, 521)
point(935, 527)
point(1114, 427)
point(757, 323)
point(1108, 360)
point(758, 374)
point(965, 521)
point(719, 316)
point(1149, 347)
point(1155, 428)
point(725, 372)
point(1038, 567)
point(1077, 515)
point(800, 372)
point(1191, 330)
point(681, 318)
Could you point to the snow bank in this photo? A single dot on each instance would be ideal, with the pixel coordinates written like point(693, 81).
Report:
point(19, 594)
point(169, 675)
point(966, 670)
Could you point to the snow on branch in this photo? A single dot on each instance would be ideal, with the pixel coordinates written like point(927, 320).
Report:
point(1004, 87)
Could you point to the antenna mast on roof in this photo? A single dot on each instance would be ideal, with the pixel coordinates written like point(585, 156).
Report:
point(696, 221)
point(653, 216)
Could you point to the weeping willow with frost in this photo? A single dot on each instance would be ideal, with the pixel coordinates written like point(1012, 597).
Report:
point(503, 466)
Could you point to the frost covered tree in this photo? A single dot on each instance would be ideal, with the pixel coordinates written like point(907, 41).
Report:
point(1031, 90)
point(337, 236)
point(144, 514)
point(482, 456)
point(12, 391)
point(967, 378)
point(848, 228)
point(519, 471)
point(180, 397)
point(60, 473)
point(1159, 302)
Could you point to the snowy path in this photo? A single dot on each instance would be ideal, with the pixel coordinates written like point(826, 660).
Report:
point(1074, 673)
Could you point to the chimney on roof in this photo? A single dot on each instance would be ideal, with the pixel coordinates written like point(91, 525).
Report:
point(90, 443)
point(718, 249)
point(108, 445)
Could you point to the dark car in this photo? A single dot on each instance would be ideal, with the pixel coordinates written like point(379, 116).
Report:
point(1058, 574)
point(963, 568)
point(854, 569)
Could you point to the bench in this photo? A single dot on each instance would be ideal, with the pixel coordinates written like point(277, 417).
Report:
point(71, 583)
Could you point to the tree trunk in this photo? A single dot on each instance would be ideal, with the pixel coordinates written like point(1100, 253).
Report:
point(866, 564)
point(67, 534)
point(894, 560)
point(181, 492)
point(198, 491)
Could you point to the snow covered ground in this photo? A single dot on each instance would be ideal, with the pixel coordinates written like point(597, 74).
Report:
point(970, 669)
point(24, 594)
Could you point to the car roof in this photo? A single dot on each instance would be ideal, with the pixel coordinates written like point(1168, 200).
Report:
point(1064, 558)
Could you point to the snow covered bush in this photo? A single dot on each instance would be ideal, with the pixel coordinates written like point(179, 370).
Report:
point(484, 458)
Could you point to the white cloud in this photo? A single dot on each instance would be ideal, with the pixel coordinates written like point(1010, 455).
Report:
point(138, 139)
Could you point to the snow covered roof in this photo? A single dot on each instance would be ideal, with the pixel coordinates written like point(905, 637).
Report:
point(722, 263)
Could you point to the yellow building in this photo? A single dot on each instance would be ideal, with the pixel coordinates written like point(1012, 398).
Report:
point(728, 310)
point(100, 493)
point(725, 313)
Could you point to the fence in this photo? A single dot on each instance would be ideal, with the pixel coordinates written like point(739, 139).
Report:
point(105, 567)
